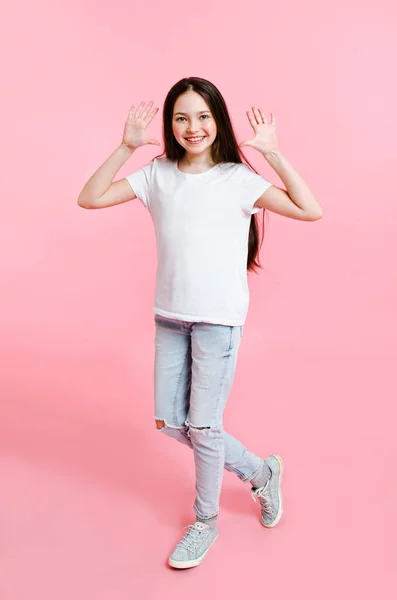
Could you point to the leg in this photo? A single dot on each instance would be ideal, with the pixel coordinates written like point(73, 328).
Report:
point(172, 378)
point(214, 357)
point(172, 388)
point(238, 460)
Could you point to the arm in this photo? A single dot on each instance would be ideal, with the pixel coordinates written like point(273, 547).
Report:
point(99, 191)
point(298, 202)
point(96, 192)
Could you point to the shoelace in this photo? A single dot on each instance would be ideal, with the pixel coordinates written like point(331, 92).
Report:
point(263, 494)
point(192, 537)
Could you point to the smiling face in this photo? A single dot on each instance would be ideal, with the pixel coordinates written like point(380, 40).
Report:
point(192, 118)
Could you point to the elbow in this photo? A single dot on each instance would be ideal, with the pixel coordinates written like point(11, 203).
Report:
point(319, 212)
point(83, 204)
point(316, 215)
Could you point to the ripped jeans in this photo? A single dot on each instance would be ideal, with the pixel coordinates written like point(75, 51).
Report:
point(194, 371)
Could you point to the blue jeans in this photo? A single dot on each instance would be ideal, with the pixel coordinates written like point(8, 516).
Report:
point(194, 370)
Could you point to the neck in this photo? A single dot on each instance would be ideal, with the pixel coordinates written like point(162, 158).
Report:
point(196, 161)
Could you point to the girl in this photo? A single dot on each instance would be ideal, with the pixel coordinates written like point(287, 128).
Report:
point(203, 199)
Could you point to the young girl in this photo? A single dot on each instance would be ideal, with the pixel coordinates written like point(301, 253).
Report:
point(202, 199)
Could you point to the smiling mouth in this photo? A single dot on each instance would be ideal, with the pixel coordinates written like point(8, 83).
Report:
point(195, 140)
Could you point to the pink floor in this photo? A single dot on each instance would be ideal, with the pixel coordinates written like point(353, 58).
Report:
point(93, 499)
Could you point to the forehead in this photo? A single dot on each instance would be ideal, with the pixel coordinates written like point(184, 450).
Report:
point(190, 103)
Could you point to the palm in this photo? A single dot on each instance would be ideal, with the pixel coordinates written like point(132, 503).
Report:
point(135, 126)
point(265, 139)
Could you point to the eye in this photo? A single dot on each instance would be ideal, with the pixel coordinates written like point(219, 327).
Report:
point(207, 116)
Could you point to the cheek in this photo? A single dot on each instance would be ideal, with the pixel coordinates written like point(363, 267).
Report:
point(178, 130)
point(212, 129)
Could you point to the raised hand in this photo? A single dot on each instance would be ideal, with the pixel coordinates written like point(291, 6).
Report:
point(265, 139)
point(135, 126)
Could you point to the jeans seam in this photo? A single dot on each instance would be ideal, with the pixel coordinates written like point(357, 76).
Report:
point(221, 466)
point(222, 382)
point(177, 387)
point(255, 473)
point(231, 338)
point(237, 472)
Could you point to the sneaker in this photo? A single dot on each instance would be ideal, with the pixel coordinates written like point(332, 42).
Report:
point(192, 548)
point(269, 495)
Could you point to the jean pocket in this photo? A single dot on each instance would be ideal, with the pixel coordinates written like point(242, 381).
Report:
point(236, 333)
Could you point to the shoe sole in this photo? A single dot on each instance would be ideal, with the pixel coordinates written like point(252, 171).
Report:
point(280, 497)
point(186, 564)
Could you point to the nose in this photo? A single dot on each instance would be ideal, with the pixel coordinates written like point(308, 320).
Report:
point(191, 129)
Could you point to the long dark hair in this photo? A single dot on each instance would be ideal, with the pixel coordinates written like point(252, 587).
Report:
point(224, 148)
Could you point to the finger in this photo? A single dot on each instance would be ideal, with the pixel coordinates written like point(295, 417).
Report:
point(262, 116)
point(251, 119)
point(257, 115)
point(273, 118)
point(146, 110)
point(152, 114)
point(139, 110)
point(155, 142)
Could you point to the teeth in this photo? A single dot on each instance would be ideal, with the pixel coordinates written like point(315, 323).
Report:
point(195, 139)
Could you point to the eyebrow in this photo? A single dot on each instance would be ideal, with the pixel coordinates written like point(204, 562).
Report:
point(185, 114)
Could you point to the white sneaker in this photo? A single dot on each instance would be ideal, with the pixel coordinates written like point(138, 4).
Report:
point(192, 548)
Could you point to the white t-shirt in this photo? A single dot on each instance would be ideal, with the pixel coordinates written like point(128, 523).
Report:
point(201, 223)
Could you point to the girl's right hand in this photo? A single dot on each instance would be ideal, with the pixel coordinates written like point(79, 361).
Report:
point(135, 126)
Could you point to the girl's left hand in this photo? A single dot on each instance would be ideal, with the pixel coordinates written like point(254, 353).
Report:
point(265, 139)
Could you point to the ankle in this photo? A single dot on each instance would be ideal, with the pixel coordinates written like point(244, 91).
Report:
point(262, 477)
point(211, 522)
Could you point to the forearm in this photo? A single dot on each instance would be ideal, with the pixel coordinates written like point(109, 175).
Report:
point(100, 181)
point(297, 188)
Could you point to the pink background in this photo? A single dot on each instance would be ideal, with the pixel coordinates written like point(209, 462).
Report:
point(93, 499)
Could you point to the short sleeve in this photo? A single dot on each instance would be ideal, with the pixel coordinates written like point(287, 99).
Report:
point(252, 186)
point(140, 181)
